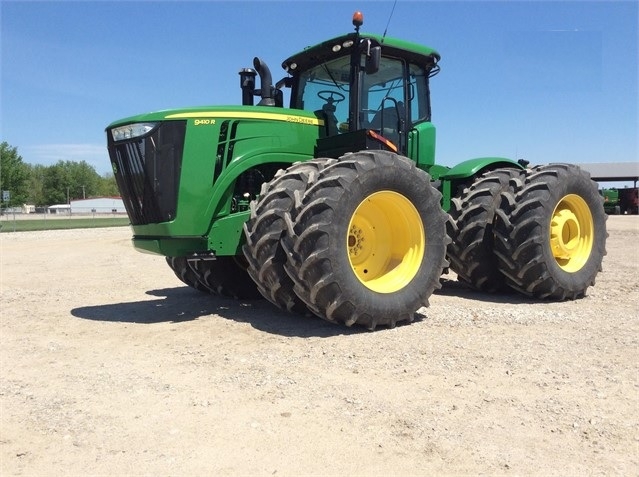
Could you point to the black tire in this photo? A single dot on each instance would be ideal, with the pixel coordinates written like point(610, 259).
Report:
point(226, 276)
point(364, 210)
point(550, 233)
point(265, 228)
point(183, 271)
point(471, 251)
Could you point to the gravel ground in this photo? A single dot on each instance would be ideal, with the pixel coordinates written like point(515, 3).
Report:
point(110, 366)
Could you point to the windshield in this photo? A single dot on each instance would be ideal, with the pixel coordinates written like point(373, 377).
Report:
point(324, 89)
point(391, 99)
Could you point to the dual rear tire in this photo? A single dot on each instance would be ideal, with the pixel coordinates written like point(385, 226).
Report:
point(550, 233)
point(541, 232)
point(471, 228)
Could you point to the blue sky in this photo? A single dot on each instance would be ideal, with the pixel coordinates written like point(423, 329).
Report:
point(546, 81)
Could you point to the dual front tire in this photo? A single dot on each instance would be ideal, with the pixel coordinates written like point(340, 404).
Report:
point(363, 238)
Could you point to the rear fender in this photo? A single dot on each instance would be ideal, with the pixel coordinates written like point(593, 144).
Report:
point(474, 167)
point(459, 176)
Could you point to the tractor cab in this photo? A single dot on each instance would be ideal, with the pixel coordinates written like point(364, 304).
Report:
point(369, 91)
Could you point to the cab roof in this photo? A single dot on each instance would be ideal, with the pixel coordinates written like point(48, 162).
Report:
point(341, 45)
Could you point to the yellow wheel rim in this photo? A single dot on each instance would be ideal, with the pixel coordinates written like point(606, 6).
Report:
point(571, 233)
point(386, 241)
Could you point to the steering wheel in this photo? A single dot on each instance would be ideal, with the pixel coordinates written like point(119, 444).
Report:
point(329, 96)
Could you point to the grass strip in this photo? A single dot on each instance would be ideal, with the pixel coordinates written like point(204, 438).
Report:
point(30, 225)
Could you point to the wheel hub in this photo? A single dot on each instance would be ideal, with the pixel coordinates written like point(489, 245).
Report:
point(564, 234)
point(571, 233)
point(356, 241)
point(385, 241)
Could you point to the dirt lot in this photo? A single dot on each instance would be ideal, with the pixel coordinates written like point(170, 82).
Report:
point(111, 366)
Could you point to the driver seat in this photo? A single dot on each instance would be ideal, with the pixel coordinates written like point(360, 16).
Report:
point(327, 114)
point(388, 118)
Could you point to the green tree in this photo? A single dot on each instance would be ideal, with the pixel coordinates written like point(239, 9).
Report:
point(14, 175)
point(85, 181)
point(55, 183)
point(36, 185)
point(67, 180)
point(108, 186)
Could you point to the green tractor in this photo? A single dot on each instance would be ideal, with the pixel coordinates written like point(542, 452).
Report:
point(621, 201)
point(334, 206)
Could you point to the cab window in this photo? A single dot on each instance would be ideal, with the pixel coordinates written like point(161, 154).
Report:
point(324, 89)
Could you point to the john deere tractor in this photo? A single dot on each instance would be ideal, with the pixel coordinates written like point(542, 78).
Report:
point(334, 205)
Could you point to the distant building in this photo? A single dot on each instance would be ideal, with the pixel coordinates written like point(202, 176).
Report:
point(98, 205)
point(60, 209)
point(612, 171)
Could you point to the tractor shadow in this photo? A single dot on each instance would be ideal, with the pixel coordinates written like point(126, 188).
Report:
point(182, 304)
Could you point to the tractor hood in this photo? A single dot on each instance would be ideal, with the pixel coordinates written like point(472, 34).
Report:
point(206, 115)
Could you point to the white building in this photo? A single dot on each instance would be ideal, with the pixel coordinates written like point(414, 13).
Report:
point(98, 205)
point(60, 209)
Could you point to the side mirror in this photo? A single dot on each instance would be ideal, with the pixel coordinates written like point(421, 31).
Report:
point(373, 59)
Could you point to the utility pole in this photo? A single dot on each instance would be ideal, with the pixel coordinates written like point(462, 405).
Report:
point(83, 194)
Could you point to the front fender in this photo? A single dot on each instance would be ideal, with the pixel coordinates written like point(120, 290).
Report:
point(223, 187)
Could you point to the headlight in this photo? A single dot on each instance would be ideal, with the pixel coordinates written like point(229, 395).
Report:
point(131, 130)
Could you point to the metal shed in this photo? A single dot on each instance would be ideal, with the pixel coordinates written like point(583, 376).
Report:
point(613, 171)
point(98, 205)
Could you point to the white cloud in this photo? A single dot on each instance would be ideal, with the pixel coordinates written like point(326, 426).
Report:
point(48, 154)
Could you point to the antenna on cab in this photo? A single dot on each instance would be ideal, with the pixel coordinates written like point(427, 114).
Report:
point(389, 19)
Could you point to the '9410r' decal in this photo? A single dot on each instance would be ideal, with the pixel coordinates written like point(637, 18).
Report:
point(202, 118)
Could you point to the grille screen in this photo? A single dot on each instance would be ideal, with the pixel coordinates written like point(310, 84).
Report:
point(147, 171)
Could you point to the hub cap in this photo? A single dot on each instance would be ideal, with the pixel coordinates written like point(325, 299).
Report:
point(386, 241)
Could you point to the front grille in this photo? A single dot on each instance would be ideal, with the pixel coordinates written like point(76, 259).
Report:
point(147, 171)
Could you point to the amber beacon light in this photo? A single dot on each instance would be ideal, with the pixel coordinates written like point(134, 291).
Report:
point(358, 19)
